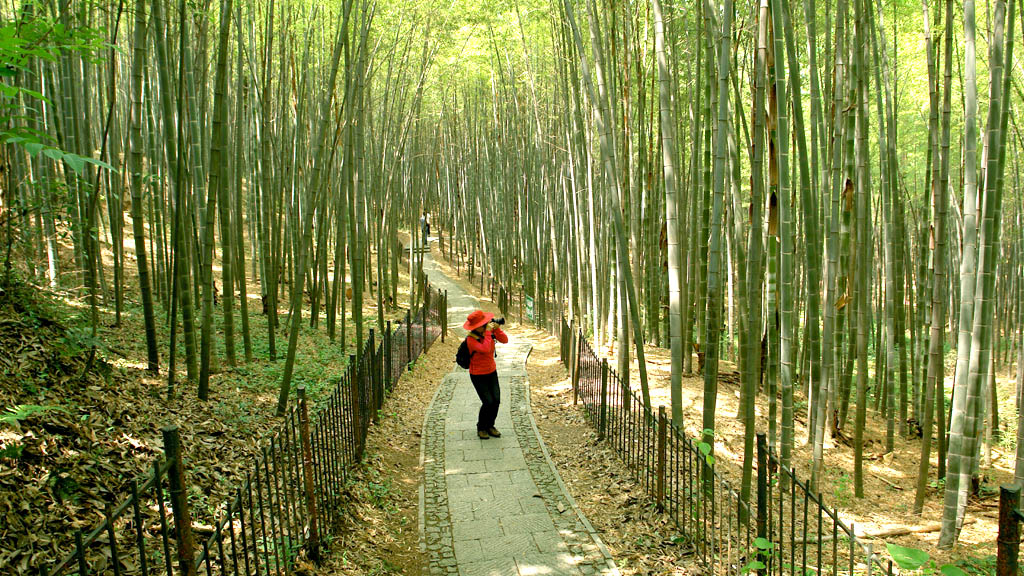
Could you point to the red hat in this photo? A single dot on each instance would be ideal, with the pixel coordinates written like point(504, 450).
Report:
point(476, 319)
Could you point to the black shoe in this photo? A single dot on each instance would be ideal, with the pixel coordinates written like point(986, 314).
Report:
point(494, 432)
point(483, 434)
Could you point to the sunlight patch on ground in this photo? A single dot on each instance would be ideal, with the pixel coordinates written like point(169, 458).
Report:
point(126, 363)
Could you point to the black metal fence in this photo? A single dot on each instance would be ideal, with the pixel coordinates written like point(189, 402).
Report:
point(288, 502)
point(785, 529)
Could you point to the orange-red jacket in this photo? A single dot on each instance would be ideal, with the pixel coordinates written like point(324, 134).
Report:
point(481, 360)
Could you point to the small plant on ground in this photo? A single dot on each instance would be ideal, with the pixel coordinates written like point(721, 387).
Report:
point(914, 559)
point(705, 447)
point(842, 490)
point(14, 414)
point(762, 555)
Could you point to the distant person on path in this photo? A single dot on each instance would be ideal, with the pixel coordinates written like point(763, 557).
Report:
point(425, 227)
point(483, 371)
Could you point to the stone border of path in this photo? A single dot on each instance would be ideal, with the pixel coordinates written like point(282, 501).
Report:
point(562, 508)
point(438, 541)
point(569, 545)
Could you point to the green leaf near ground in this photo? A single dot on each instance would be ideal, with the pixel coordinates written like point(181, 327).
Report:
point(20, 412)
point(951, 570)
point(907, 558)
point(753, 565)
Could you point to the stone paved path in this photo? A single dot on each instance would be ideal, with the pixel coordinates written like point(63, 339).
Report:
point(496, 507)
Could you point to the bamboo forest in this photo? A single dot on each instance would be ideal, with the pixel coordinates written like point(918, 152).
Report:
point(511, 287)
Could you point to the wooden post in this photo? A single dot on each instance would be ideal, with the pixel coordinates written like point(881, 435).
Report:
point(522, 300)
point(566, 339)
point(662, 455)
point(1008, 541)
point(444, 317)
point(313, 548)
point(603, 419)
point(179, 502)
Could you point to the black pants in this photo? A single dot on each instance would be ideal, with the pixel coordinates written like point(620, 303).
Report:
point(490, 397)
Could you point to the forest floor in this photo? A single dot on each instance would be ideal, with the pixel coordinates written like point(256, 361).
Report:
point(890, 478)
point(78, 423)
point(74, 433)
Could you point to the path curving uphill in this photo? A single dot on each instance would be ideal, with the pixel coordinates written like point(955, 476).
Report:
point(496, 507)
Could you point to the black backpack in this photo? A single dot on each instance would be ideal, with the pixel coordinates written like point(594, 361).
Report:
point(463, 355)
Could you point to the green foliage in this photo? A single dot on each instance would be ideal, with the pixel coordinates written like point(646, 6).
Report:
point(907, 558)
point(982, 565)
point(914, 559)
point(705, 447)
point(12, 452)
point(762, 555)
point(842, 492)
point(14, 414)
point(380, 492)
point(77, 340)
point(63, 486)
point(22, 43)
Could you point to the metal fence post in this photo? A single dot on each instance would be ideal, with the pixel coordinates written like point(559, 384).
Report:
point(179, 503)
point(1008, 541)
point(307, 477)
point(378, 367)
point(603, 419)
point(356, 401)
point(408, 338)
point(444, 316)
point(388, 360)
point(762, 485)
point(662, 455)
point(578, 348)
point(375, 393)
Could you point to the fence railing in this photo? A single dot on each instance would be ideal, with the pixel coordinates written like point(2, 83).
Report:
point(786, 529)
point(292, 496)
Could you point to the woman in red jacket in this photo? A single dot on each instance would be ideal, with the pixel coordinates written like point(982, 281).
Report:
point(482, 369)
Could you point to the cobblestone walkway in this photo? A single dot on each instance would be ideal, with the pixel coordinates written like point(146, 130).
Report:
point(496, 507)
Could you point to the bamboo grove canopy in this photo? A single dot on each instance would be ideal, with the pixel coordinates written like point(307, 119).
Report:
point(825, 193)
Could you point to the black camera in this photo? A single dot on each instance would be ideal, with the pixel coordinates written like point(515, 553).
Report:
point(499, 321)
